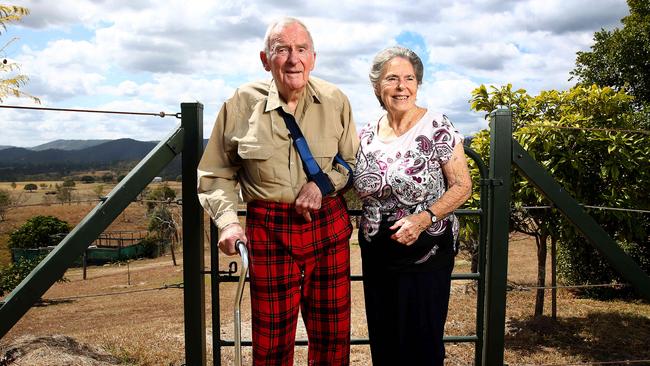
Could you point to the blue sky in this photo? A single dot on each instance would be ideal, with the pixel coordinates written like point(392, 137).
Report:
point(149, 56)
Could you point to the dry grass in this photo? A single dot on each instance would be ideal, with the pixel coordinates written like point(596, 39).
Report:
point(145, 327)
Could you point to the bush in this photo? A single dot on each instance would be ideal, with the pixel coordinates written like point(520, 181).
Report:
point(5, 202)
point(30, 187)
point(68, 183)
point(580, 263)
point(162, 193)
point(39, 231)
point(87, 179)
point(152, 246)
point(12, 275)
point(107, 178)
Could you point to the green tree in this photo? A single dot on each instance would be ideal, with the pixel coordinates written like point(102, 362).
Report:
point(13, 274)
point(620, 58)
point(99, 190)
point(30, 187)
point(160, 194)
point(10, 85)
point(39, 231)
point(68, 183)
point(63, 193)
point(107, 178)
point(605, 166)
point(5, 203)
point(87, 179)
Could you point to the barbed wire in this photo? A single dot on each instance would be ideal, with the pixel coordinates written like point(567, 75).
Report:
point(179, 201)
point(645, 132)
point(592, 207)
point(159, 114)
point(591, 363)
point(164, 287)
point(527, 288)
point(175, 202)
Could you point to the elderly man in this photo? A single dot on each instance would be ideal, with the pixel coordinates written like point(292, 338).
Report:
point(297, 228)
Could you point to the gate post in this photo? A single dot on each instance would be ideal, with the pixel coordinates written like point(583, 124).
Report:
point(193, 277)
point(498, 230)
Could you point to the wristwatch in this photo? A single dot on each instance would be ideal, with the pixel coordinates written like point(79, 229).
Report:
point(434, 219)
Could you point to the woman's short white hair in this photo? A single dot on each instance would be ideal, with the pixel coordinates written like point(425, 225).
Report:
point(388, 54)
point(277, 26)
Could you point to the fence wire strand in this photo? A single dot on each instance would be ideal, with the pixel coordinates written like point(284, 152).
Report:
point(164, 287)
point(159, 114)
point(592, 363)
point(645, 132)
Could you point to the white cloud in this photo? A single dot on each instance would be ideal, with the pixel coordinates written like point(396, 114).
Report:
point(150, 56)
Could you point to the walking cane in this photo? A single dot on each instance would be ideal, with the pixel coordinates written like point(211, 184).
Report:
point(243, 252)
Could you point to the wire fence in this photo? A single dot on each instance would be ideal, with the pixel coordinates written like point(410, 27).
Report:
point(158, 114)
point(551, 127)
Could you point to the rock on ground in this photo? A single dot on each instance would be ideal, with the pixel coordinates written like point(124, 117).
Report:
point(56, 350)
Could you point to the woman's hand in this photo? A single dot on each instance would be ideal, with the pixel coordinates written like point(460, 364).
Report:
point(410, 227)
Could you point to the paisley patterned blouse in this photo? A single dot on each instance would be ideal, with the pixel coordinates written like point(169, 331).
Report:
point(403, 176)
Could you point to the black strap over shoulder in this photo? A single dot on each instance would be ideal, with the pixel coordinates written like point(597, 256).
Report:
point(312, 169)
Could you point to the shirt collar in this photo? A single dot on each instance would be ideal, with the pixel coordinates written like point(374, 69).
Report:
point(274, 101)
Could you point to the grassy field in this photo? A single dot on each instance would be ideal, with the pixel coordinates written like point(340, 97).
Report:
point(141, 322)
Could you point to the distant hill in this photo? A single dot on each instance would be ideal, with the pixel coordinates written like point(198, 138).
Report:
point(20, 164)
point(68, 144)
point(2, 147)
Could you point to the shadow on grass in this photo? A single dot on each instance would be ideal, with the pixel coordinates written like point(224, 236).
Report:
point(598, 337)
point(46, 302)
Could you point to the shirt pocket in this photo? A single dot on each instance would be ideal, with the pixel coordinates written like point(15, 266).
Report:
point(324, 151)
point(256, 161)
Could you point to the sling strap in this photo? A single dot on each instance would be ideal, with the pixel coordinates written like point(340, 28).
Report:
point(312, 169)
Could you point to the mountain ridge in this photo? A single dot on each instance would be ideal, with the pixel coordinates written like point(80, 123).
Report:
point(120, 155)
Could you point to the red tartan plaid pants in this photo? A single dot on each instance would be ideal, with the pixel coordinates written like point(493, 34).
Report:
point(295, 264)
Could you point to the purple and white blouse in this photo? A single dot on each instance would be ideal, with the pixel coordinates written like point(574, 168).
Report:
point(403, 176)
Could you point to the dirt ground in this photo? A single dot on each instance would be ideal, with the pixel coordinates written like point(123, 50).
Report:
point(133, 314)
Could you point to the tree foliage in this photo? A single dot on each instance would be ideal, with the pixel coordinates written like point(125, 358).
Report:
point(582, 137)
point(10, 85)
point(5, 203)
point(39, 231)
point(30, 187)
point(158, 195)
point(14, 273)
point(620, 58)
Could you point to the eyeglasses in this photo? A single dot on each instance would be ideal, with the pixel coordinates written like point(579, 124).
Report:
point(393, 80)
point(284, 51)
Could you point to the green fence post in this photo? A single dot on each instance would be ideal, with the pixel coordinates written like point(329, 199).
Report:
point(498, 230)
point(193, 277)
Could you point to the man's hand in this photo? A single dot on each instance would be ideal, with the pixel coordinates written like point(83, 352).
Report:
point(309, 198)
point(229, 236)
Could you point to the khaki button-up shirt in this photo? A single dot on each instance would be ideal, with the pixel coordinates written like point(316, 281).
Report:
point(250, 145)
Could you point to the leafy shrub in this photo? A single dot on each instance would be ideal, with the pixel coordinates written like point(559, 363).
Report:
point(87, 179)
point(107, 178)
point(13, 274)
point(151, 246)
point(580, 263)
point(162, 193)
point(39, 231)
point(68, 183)
point(30, 187)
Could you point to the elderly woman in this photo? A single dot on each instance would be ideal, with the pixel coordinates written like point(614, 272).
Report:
point(411, 175)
